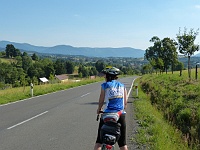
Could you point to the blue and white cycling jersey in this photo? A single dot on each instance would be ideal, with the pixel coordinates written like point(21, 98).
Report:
point(114, 96)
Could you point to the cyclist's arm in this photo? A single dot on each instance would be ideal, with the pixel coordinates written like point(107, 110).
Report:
point(125, 98)
point(101, 100)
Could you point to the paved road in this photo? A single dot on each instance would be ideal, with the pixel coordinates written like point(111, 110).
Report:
point(64, 120)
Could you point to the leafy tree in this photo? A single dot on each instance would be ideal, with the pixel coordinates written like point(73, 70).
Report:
point(83, 71)
point(100, 65)
point(37, 69)
point(147, 68)
point(69, 67)
point(9, 50)
point(2, 54)
point(179, 67)
point(18, 61)
point(186, 44)
point(59, 67)
point(13, 75)
point(154, 53)
point(35, 57)
point(35, 80)
point(93, 71)
point(23, 81)
point(5, 72)
point(25, 54)
point(51, 78)
point(32, 71)
point(49, 69)
point(162, 54)
point(26, 62)
point(169, 54)
point(16, 53)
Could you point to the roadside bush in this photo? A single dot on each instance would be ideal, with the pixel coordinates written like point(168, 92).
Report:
point(179, 101)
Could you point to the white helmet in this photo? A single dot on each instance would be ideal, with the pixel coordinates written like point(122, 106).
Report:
point(111, 71)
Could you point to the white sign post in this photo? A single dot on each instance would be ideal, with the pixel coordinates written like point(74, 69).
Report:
point(31, 89)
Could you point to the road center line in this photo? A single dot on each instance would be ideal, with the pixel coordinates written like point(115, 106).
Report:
point(27, 120)
point(85, 94)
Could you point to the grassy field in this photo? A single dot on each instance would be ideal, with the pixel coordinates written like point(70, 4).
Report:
point(6, 60)
point(168, 111)
point(20, 93)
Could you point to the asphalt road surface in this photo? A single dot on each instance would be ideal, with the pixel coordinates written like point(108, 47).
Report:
point(64, 120)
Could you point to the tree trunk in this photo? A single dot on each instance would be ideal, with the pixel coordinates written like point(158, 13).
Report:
point(189, 68)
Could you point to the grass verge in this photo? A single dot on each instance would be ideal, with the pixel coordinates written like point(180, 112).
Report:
point(20, 93)
point(154, 132)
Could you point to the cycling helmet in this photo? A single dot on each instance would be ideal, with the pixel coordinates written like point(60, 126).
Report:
point(111, 71)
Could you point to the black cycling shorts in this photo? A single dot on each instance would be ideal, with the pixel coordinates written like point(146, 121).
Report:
point(122, 139)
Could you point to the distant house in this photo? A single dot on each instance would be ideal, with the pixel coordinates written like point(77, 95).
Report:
point(44, 80)
point(62, 77)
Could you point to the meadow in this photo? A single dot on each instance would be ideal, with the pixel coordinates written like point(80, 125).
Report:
point(168, 112)
point(20, 93)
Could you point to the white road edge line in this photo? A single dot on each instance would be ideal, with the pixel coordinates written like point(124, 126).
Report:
point(27, 120)
point(85, 94)
point(130, 88)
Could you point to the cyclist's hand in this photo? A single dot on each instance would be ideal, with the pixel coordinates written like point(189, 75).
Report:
point(99, 111)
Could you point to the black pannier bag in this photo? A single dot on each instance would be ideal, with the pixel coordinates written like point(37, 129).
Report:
point(110, 132)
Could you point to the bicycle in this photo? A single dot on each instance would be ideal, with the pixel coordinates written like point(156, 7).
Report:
point(110, 131)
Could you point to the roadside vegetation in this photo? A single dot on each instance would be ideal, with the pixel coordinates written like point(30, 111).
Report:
point(20, 69)
point(168, 111)
point(20, 93)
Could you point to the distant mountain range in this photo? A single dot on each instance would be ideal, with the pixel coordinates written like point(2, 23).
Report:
point(84, 51)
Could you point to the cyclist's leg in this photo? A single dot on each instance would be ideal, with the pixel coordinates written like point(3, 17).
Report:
point(124, 147)
point(97, 146)
point(98, 141)
point(122, 139)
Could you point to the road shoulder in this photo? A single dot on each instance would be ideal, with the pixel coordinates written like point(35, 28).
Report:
point(132, 124)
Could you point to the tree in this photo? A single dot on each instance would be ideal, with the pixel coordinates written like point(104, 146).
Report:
point(169, 53)
point(35, 57)
point(69, 67)
point(147, 68)
point(153, 53)
point(18, 61)
point(26, 62)
point(93, 71)
point(186, 44)
point(162, 54)
point(59, 67)
point(49, 69)
point(99, 65)
point(83, 71)
point(9, 50)
point(16, 53)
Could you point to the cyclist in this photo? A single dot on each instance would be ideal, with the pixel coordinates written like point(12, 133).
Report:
point(115, 95)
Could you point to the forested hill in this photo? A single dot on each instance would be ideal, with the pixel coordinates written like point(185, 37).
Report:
point(85, 51)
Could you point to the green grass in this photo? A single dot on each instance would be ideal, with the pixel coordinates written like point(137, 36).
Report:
point(20, 93)
point(7, 60)
point(154, 132)
point(169, 107)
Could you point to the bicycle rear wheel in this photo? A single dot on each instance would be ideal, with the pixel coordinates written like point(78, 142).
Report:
point(103, 147)
point(107, 147)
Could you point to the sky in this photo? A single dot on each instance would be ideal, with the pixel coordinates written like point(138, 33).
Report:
point(96, 23)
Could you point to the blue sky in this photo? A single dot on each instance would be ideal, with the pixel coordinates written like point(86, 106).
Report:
point(96, 23)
